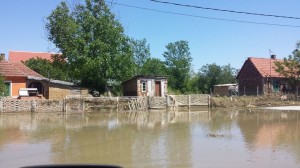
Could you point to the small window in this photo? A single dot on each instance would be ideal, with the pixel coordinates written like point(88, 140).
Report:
point(144, 86)
point(276, 86)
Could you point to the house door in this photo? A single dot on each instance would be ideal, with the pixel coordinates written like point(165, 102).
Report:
point(157, 88)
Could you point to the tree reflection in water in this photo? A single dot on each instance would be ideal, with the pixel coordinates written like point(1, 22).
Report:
point(152, 139)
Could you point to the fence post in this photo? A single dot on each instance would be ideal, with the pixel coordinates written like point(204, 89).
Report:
point(81, 104)
point(65, 105)
point(297, 93)
point(189, 101)
point(62, 104)
point(117, 104)
point(167, 101)
point(149, 102)
point(33, 106)
point(1, 105)
point(208, 101)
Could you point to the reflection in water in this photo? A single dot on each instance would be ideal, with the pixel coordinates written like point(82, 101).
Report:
point(153, 139)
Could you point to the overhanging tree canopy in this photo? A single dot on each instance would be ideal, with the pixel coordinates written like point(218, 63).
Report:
point(93, 41)
point(290, 66)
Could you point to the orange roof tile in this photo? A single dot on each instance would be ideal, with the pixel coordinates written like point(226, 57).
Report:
point(266, 66)
point(17, 69)
point(19, 56)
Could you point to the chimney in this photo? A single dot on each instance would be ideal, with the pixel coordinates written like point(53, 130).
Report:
point(2, 56)
point(273, 56)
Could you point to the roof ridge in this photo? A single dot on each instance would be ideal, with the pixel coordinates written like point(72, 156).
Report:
point(34, 52)
point(265, 58)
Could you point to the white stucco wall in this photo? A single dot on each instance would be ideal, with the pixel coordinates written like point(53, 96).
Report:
point(149, 87)
point(162, 88)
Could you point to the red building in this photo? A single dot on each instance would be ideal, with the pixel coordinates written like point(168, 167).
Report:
point(258, 77)
point(17, 75)
point(22, 56)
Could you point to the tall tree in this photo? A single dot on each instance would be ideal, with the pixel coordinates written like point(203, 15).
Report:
point(178, 61)
point(154, 66)
point(56, 68)
point(141, 52)
point(93, 41)
point(290, 67)
point(213, 74)
point(192, 84)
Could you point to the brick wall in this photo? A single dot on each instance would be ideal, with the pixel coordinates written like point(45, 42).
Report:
point(17, 83)
point(250, 81)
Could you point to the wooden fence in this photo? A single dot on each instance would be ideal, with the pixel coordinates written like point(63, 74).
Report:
point(81, 104)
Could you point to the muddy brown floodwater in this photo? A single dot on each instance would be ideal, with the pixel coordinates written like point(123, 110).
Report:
point(235, 138)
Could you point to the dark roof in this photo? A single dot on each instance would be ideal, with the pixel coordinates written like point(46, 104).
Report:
point(265, 66)
point(146, 76)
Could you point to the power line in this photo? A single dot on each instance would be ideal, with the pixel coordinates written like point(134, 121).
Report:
point(225, 10)
point(204, 17)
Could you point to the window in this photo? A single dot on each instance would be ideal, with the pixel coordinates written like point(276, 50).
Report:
point(276, 86)
point(144, 86)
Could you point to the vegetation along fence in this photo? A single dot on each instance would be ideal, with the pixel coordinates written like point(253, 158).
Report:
point(81, 104)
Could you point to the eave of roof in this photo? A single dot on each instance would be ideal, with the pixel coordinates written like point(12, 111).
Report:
point(147, 76)
point(17, 69)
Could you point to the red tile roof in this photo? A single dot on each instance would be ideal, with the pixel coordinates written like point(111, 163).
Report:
point(17, 69)
point(265, 66)
point(18, 56)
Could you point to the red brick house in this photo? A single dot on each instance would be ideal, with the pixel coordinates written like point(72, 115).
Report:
point(145, 85)
point(258, 77)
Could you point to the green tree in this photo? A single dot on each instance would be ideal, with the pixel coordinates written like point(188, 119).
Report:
point(178, 61)
point(228, 74)
point(192, 84)
point(94, 43)
point(154, 66)
point(213, 74)
point(56, 69)
point(141, 52)
point(290, 66)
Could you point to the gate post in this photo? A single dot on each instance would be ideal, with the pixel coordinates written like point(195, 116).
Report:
point(33, 106)
point(189, 101)
point(167, 101)
point(1, 105)
point(208, 101)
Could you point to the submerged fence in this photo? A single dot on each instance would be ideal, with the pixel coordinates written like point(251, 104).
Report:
point(81, 104)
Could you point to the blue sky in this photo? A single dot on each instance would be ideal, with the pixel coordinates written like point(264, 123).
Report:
point(210, 41)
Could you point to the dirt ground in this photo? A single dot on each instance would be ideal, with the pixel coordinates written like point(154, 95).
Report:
point(252, 101)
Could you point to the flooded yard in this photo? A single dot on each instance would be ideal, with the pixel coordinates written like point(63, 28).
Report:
point(235, 138)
